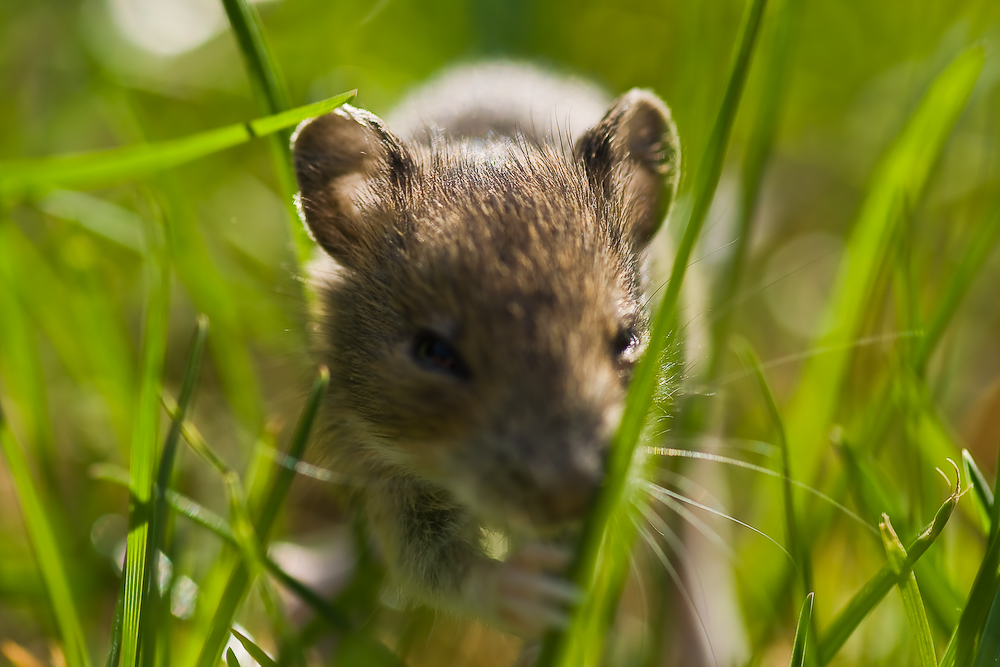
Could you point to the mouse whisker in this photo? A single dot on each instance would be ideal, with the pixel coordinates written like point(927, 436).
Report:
point(666, 496)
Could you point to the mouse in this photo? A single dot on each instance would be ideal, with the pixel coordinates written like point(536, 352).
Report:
point(481, 288)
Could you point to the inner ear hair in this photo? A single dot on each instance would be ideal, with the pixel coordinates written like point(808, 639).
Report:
point(337, 158)
point(634, 153)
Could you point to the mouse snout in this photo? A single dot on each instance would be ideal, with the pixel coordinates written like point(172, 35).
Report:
point(568, 488)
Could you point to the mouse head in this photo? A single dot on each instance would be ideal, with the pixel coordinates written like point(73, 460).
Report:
point(487, 309)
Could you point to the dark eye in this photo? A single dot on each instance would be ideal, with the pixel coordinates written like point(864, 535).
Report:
point(436, 354)
point(624, 341)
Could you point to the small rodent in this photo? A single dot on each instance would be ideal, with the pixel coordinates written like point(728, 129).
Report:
point(481, 316)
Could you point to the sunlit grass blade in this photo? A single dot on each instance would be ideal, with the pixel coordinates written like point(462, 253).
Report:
point(256, 652)
point(46, 549)
point(158, 515)
point(612, 500)
point(920, 628)
point(871, 495)
point(984, 589)
point(89, 170)
point(215, 294)
point(988, 653)
point(145, 435)
point(239, 581)
point(895, 187)
point(801, 641)
point(774, 63)
point(215, 524)
point(796, 546)
point(981, 489)
point(115, 647)
point(265, 78)
point(859, 606)
point(272, 97)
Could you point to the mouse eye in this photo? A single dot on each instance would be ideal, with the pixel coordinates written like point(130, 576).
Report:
point(625, 341)
point(436, 354)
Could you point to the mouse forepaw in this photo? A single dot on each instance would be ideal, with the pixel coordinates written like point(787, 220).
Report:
point(525, 594)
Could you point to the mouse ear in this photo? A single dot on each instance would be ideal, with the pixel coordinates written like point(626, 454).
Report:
point(339, 159)
point(634, 153)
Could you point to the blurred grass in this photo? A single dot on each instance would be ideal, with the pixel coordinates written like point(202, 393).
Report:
point(869, 133)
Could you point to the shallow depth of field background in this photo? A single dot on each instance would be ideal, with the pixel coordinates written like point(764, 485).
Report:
point(84, 75)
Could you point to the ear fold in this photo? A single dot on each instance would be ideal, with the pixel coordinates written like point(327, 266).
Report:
point(634, 150)
point(338, 159)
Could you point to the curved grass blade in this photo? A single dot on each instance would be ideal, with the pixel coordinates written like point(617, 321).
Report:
point(799, 645)
point(896, 185)
point(859, 606)
point(21, 178)
point(231, 660)
point(256, 652)
point(980, 488)
point(920, 628)
point(240, 579)
point(272, 97)
point(145, 434)
point(796, 546)
point(612, 500)
point(43, 540)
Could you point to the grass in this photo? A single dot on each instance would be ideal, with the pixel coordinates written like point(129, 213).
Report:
point(109, 257)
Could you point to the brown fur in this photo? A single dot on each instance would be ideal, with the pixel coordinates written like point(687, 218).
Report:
point(524, 256)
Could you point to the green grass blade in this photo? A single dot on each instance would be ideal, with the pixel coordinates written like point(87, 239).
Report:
point(256, 652)
point(79, 321)
point(984, 589)
point(21, 177)
point(215, 524)
point(196, 441)
point(896, 185)
point(980, 247)
point(115, 648)
point(158, 518)
point(981, 489)
point(231, 660)
point(920, 628)
point(46, 549)
point(145, 435)
point(799, 644)
point(265, 80)
point(988, 654)
point(774, 63)
point(20, 363)
point(272, 97)
point(796, 546)
point(283, 480)
point(240, 580)
point(611, 500)
point(859, 606)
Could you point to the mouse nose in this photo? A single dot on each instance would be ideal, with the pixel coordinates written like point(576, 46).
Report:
point(570, 490)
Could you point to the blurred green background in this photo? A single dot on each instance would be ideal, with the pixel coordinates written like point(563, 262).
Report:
point(80, 76)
